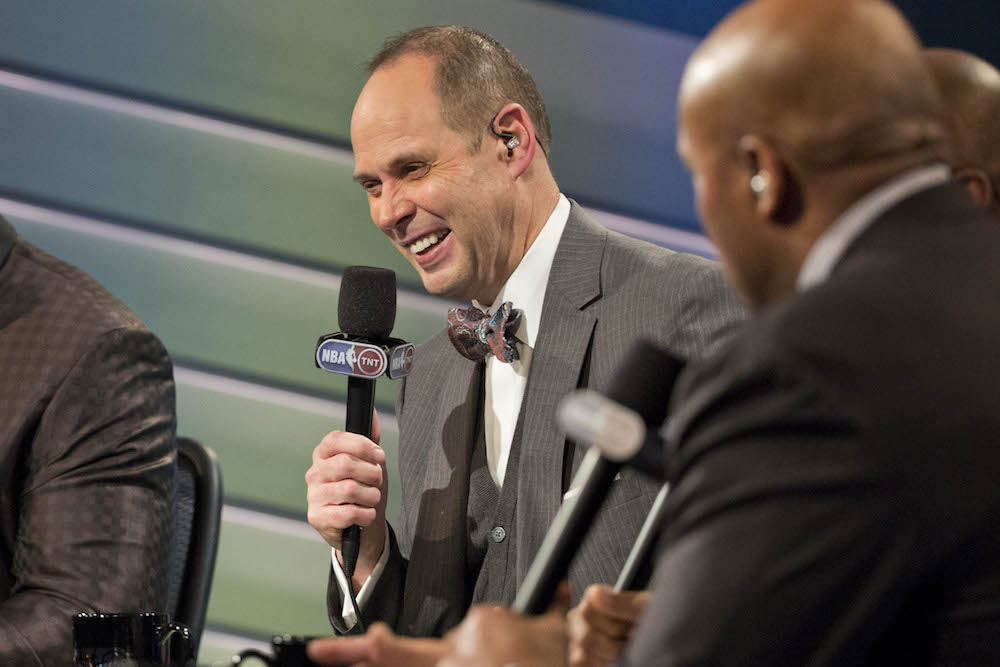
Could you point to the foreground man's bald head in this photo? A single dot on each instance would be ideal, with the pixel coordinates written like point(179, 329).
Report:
point(971, 87)
point(791, 110)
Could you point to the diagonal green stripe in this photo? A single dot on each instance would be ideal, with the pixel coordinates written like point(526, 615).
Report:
point(220, 315)
point(269, 583)
point(189, 181)
point(265, 449)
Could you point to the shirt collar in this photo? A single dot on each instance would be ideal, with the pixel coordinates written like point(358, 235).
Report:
point(7, 238)
point(526, 286)
point(859, 216)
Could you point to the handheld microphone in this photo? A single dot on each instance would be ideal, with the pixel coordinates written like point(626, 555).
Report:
point(619, 432)
point(642, 384)
point(635, 564)
point(363, 351)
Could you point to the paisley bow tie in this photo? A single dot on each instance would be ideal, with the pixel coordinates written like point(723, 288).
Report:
point(476, 335)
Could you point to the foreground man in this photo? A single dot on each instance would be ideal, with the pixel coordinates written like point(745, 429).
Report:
point(86, 455)
point(450, 139)
point(971, 88)
point(835, 498)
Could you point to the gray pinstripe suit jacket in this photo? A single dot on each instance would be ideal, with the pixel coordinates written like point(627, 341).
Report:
point(605, 291)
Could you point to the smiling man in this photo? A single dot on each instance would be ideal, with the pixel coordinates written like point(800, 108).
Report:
point(450, 138)
point(834, 496)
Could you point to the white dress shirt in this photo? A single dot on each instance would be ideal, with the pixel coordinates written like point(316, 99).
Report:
point(504, 383)
point(859, 216)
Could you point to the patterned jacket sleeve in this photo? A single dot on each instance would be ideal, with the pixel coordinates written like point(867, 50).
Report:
point(95, 511)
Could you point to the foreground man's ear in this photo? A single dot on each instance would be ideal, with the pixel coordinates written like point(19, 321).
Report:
point(977, 183)
point(769, 180)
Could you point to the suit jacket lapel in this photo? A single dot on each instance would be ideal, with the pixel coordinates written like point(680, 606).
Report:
point(561, 350)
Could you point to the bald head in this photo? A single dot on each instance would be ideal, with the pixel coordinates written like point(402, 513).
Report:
point(790, 111)
point(836, 83)
point(972, 87)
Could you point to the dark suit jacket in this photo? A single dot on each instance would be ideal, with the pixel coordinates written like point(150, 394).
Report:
point(836, 495)
point(86, 455)
point(605, 291)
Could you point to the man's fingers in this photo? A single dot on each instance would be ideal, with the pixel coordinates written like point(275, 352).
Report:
point(626, 606)
point(590, 616)
point(339, 650)
point(336, 442)
point(378, 648)
point(586, 621)
point(594, 638)
point(343, 489)
point(601, 623)
point(330, 519)
point(344, 466)
point(376, 428)
point(344, 492)
point(409, 652)
point(561, 599)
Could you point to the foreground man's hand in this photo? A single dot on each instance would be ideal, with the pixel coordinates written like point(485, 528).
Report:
point(495, 637)
point(488, 636)
point(601, 624)
point(378, 647)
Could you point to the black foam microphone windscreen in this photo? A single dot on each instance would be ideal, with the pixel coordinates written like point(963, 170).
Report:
point(644, 380)
point(366, 307)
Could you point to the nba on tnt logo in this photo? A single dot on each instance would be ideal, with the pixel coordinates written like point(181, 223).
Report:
point(370, 363)
point(349, 358)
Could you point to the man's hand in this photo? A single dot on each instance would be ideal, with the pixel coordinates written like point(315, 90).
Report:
point(488, 636)
point(495, 636)
point(379, 647)
point(347, 484)
point(601, 624)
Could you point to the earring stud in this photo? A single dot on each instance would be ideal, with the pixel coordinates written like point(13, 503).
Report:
point(758, 183)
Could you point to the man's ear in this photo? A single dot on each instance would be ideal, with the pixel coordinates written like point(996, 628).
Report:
point(514, 136)
point(769, 180)
point(978, 184)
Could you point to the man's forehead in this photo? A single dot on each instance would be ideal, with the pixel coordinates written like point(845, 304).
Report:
point(397, 86)
point(397, 99)
point(380, 138)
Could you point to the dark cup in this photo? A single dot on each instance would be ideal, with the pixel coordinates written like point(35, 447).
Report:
point(130, 640)
point(288, 651)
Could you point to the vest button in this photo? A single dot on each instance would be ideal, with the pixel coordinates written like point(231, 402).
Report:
point(498, 534)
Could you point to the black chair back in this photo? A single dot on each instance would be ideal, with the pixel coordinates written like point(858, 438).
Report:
point(197, 518)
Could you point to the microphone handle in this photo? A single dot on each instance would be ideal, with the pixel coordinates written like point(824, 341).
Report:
point(360, 406)
point(643, 546)
point(565, 535)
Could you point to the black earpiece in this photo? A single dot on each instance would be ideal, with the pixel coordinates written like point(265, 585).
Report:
point(510, 141)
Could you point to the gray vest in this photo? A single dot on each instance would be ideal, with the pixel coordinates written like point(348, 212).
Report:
point(491, 527)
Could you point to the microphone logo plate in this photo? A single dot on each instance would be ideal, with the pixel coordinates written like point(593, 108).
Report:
point(349, 358)
point(400, 361)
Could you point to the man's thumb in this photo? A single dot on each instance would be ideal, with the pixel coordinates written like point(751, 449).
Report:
point(561, 599)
